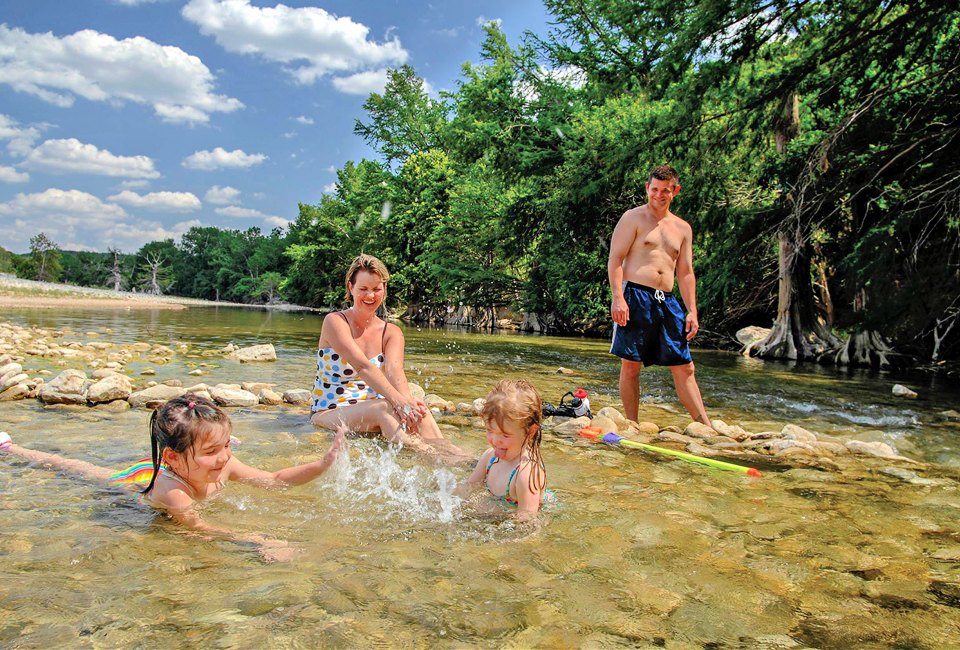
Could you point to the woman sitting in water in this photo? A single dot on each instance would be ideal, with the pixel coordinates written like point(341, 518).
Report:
point(191, 461)
point(360, 380)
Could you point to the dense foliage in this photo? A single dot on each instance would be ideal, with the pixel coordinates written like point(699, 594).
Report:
point(816, 143)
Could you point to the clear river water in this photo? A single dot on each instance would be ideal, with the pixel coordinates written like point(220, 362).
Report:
point(639, 551)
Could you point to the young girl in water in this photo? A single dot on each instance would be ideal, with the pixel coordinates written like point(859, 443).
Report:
point(512, 468)
point(191, 461)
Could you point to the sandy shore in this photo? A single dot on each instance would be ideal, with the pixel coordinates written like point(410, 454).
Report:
point(40, 302)
point(29, 294)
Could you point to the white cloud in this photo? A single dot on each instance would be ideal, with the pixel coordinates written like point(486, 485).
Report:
point(220, 158)
point(98, 67)
point(79, 221)
point(11, 175)
point(134, 3)
point(483, 21)
point(161, 201)
point(73, 156)
point(133, 185)
point(303, 119)
point(290, 135)
point(241, 213)
point(132, 236)
point(331, 168)
point(330, 188)
point(72, 206)
point(277, 222)
point(362, 83)
point(222, 195)
point(21, 138)
point(311, 42)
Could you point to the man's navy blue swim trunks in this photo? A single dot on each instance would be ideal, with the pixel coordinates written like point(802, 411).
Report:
point(653, 334)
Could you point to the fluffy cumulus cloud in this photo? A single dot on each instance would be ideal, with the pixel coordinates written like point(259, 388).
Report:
point(303, 119)
point(98, 67)
point(11, 175)
point(483, 21)
point(158, 201)
point(237, 212)
point(20, 138)
point(277, 222)
point(76, 220)
point(71, 156)
point(220, 158)
point(309, 41)
point(362, 83)
point(222, 195)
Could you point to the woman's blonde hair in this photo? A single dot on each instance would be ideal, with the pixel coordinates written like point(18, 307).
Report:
point(516, 400)
point(368, 263)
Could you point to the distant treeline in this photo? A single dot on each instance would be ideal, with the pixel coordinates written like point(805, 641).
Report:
point(816, 143)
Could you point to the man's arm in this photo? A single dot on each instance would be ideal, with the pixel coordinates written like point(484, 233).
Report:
point(620, 243)
point(687, 282)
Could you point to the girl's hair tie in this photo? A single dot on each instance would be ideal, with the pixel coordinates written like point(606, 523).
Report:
point(191, 404)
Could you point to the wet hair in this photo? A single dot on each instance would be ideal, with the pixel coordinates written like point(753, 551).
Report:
point(665, 173)
point(179, 424)
point(368, 263)
point(516, 400)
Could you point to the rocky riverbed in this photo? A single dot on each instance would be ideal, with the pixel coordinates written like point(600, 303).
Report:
point(97, 374)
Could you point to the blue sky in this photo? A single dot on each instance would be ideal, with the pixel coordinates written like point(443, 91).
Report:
point(127, 121)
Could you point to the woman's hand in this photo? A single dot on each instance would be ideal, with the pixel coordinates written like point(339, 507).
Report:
point(409, 410)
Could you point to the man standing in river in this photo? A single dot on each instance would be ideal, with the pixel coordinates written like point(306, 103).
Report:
point(651, 245)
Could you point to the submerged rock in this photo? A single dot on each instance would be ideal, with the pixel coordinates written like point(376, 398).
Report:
point(269, 397)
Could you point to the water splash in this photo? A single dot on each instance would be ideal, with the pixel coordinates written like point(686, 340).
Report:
point(371, 480)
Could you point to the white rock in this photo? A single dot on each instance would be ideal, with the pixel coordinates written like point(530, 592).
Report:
point(730, 430)
point(298, 396)
point(9, 380)
point(110, 388)
point(270, 397)
point(900, 390)
point(874, 448)
point(616, 416)
point(18, 391)
point(69, 387)
point(255, 353)
point(231, 397)
point(793, 432)
point(159, 392)
point(478, 405)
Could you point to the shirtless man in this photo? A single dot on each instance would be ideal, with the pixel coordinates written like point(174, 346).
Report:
point(649, 244)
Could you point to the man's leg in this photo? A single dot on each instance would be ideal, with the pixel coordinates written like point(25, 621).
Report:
point(630, 387)
point(688, 392)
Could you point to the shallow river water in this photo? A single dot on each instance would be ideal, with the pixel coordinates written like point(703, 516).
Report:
point(640, 551)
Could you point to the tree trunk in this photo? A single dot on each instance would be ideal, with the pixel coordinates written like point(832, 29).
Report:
point(798, 333)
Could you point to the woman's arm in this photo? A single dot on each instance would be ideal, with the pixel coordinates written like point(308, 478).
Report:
point(336, 332)
point(289, 476)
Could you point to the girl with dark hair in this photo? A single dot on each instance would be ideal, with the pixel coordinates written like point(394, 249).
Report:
point(191, 461)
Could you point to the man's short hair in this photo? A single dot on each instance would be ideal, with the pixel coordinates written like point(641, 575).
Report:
point(665, 173)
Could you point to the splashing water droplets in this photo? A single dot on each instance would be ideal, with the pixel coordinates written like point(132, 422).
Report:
point(373, 482)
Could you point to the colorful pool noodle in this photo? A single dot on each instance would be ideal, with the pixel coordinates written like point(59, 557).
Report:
point(138, 474)
point(595, 434)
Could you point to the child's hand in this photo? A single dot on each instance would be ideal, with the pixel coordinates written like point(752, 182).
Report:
point(338, 442)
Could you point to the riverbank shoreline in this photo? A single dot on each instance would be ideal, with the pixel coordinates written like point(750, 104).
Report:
point(17, 293)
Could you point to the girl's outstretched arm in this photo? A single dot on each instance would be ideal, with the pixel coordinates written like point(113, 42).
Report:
point(79, 467)
point(271, 550)
point(297, 475)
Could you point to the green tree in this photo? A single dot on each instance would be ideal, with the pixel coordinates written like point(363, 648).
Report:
point(45, 259)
